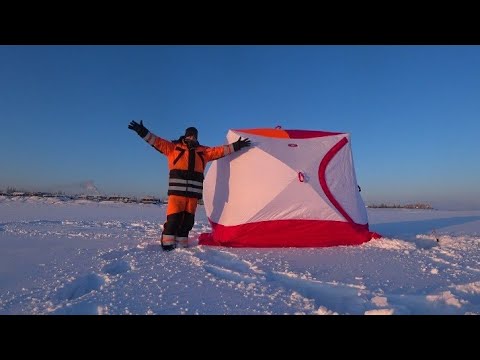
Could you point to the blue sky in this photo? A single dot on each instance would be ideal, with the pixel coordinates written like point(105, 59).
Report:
point(412, 111)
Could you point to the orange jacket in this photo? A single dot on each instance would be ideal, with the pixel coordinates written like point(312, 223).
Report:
point(187, 166)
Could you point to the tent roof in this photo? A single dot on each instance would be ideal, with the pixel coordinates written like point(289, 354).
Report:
point(287, 134)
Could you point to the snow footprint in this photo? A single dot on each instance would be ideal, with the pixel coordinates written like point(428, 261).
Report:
point(116, 254)
point(343, 298)
point(80, 286)
point(116, 267)
point(81, 308)
point(228, 266)
point(228, 261)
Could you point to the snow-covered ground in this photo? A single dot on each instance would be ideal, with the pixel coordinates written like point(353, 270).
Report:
point(81, 257)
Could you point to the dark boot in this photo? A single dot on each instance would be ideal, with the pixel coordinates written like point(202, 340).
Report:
point(168, 247)
point(168, 242)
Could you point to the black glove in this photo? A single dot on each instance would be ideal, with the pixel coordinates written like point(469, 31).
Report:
point(239, 144)
point(141, 130)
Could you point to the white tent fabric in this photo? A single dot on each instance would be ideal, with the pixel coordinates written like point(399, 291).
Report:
point(276, 185)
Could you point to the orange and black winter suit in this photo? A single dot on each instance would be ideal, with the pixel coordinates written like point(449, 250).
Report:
point(185, 184)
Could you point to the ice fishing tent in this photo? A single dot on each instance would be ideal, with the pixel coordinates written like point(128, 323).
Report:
point(290, 188)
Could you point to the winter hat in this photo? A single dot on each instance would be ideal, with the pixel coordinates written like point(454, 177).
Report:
point(191, 131)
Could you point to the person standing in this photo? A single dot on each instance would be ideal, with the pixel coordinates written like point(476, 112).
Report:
point(186, 163)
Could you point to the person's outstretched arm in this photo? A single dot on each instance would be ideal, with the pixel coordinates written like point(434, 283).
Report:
point(217, 152)
point(162, 145)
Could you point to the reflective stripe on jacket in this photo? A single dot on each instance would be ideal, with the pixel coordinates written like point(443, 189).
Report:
point(186, 166)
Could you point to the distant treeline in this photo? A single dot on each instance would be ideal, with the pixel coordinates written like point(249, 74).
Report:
point(11, 191)
point(406, 206)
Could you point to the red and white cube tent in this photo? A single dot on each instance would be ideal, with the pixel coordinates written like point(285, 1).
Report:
point(290, 188)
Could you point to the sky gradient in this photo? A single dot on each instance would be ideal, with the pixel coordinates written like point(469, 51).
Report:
point(412, 111)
